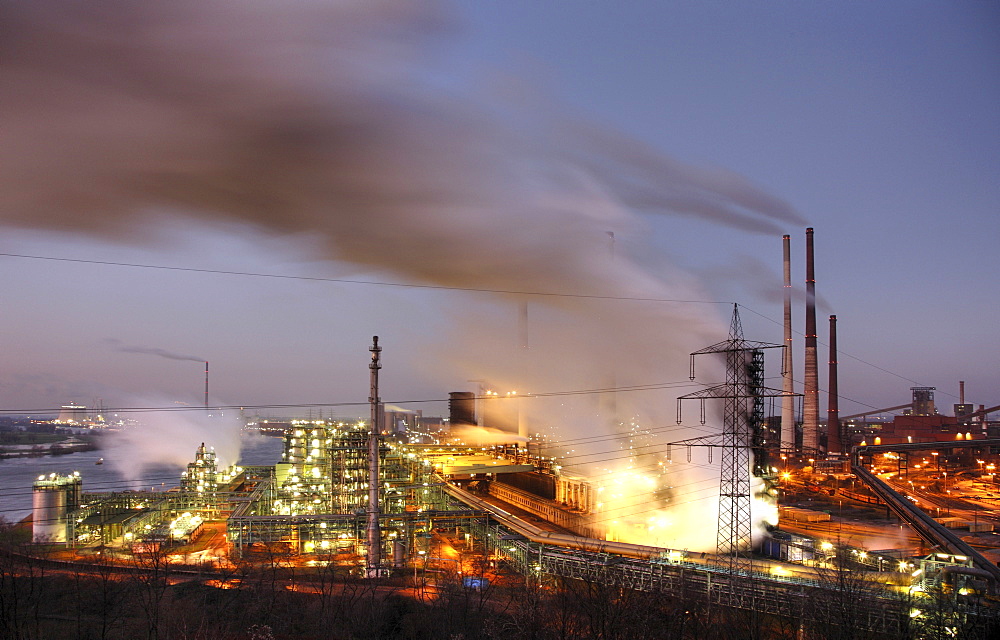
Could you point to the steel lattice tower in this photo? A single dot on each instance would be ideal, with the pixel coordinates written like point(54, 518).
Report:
point(740, 393)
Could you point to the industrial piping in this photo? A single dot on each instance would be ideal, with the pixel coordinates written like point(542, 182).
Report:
point(921, 523)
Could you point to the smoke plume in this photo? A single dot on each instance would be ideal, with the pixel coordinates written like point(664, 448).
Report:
point(321, 119)
point(152, 351)
point(307, 117)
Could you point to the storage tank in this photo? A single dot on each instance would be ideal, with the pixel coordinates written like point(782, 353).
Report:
point(51, 498)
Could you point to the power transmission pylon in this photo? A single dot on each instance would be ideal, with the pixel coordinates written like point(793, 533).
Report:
point(740, 392)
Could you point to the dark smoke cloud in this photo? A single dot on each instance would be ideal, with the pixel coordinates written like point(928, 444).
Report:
point(316, 119)
point(305, 117)
point(151, 351)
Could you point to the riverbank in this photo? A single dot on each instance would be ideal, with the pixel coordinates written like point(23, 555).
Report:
point(17, 474)
point(65, 446)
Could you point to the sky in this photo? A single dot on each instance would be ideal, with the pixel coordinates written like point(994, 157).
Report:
point(258, 163)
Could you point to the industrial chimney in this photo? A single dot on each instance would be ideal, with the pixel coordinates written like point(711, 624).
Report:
point(810, 404)
point(788, 383)
point(834, 443)
point(206, 385)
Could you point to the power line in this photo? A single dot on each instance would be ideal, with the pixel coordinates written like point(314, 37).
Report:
point(434, 287)
point(320, 405)
point(840, 352)
point(378, 283)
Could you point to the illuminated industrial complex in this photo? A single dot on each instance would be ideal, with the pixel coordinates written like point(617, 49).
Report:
point(372, 493)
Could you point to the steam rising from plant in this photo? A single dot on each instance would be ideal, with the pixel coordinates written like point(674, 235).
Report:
point(318, 118)
point(170, 438)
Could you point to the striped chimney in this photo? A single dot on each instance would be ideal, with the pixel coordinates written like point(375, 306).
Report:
point(788, 383)
point(810, 403)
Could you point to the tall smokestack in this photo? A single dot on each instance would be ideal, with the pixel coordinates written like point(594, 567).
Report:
point(810, 404)
point(206, 384)
point(961, 392)
point(834, 443)
point(373, 560)
point(788, 384)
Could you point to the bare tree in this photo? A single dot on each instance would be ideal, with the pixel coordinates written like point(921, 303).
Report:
point(850, 603)
point(150, 575)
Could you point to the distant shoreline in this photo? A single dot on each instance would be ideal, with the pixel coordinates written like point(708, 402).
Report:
point(60, 448)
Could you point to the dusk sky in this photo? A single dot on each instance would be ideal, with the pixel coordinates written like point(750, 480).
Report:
point(491, 145)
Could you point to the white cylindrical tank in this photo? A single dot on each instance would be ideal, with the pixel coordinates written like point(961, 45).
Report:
point(48, 518)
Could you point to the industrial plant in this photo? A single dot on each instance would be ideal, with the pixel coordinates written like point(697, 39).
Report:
point(375, 496)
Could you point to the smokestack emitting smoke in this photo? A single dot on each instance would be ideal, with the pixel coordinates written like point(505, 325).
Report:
point(162, 353)
point(152, 351)
point(788, 381)
point(834, 445)
point(810, 403)
point(310, 118)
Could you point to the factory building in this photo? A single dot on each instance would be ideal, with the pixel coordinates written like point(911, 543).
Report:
point(397, 421)
point(316, 499)
point(923, 401)
point(462, 408)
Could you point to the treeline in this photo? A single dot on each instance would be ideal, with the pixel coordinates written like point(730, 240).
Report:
point(271, 596)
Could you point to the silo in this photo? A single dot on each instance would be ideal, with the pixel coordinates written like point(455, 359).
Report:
point(48, 516)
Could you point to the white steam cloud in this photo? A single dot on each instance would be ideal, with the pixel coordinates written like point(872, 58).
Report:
point(171, 438)
point(310, 118)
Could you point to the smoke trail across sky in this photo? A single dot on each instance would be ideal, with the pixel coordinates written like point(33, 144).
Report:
point(152, 351)
point(322, 120)
point(306, 117)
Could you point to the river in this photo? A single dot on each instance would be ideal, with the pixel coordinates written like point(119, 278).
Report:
point(17, 474)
